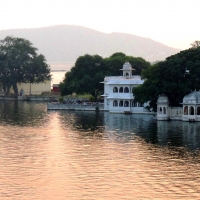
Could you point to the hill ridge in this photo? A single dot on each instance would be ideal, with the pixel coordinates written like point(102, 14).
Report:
point(63, 44)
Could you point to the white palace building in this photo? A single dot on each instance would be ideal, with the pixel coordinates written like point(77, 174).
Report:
point(118, 92)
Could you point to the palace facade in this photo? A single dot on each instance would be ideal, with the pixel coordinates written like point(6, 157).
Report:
point(118, 92)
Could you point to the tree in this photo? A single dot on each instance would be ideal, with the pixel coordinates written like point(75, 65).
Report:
point(139, 64)
point(38, 71)
point(89, 71)
point(20, 63)
point(115, 62)
point(195, 44)
point(171, 77)
point(85, 76)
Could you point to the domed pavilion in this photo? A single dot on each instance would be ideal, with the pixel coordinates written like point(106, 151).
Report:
point(189, 112)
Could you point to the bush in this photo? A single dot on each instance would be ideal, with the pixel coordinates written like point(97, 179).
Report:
point(92, 99)
point(61, 99)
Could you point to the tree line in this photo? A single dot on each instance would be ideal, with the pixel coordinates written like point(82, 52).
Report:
point(89, 70)
point(176, 76)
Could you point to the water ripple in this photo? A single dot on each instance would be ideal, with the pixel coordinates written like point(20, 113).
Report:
point(61, 155)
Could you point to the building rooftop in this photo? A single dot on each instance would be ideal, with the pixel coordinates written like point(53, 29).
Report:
point(122, 80)
point(193, 97)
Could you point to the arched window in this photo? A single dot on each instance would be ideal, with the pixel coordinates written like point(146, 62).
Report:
point(164, 110)
point(126, 75)
point(185, 110)
point(115, 103)
point(126, 104)
point(134, 104)
point(140, 104)
point(126, 90)
point(191, 110)
point(160, 110)
point(121, 103)
point(198, 110)
point(121, 90)
point(115, 90)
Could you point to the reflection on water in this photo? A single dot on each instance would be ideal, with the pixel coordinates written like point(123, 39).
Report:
point(21, 113)
point(163, 133)
point(95, 155)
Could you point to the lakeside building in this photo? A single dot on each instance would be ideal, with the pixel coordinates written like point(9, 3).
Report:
point(190, 110)
point(35, 88)
point(118, 92)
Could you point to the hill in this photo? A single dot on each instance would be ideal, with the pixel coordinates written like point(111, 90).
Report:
point(63, 44)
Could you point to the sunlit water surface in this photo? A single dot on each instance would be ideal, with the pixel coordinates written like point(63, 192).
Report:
point(73, 155)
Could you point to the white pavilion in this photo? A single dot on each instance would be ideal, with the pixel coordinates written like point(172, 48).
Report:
point(118, 92)
point(190, 110)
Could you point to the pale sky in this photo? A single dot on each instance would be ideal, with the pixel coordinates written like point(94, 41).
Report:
point(175, 23)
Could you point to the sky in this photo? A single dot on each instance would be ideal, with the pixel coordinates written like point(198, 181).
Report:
point(172, 22)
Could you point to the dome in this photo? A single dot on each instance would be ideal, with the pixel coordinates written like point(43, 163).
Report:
point(193, 97)
point(127, 66)
point(163, 99)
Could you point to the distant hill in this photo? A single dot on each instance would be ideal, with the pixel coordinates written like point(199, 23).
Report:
point(63, 44)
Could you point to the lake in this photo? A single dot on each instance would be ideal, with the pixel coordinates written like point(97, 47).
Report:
point(71, 155)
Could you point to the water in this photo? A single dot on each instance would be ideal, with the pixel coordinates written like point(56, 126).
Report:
point(73, 155)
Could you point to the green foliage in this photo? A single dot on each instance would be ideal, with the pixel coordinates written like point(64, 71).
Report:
point(85, 76)
point(138, 64)
point(61, 99)
point(89, 71)
point(171, 77)
point(118, 54)
point(19, 63)
point(115, 62)
point(92, 99)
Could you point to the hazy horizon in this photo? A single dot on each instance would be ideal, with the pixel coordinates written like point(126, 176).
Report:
point(173, 23)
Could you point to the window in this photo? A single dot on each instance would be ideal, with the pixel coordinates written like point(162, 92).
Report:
point(115, 90)
point(126, 90)
point(121, 103)
point(121, 90)
point(115, 103)
point(160, 110)
point(134, 104)
point(198, 110)
point(140, 105)
point(191, 110)
point(164, 110)
point(185, 110)
point(126, 104)
point(126, 75)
